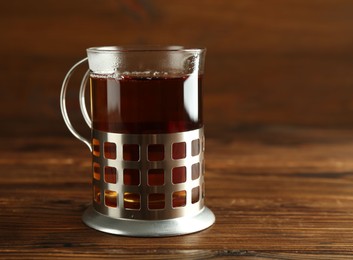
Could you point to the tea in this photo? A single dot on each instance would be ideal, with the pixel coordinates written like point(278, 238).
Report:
point(146, 105)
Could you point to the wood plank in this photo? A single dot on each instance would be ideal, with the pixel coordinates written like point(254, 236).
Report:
point(285, 192)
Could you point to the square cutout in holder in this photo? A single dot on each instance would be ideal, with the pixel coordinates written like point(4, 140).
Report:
point(110, 174)
point(156, 152)
point(203, 190)
point(156, 201)
point(156, 177)
point(195, 171)
point(96, 194)
point(131, 152)
point(111, 198)
point(195, 147)
point(179, 150)
point(179, 198)
point(195, 194)
point(179, 175)
point(132, 201)
point(96, 171)
point(110, 150)
point(131, 177)
point(95, 150)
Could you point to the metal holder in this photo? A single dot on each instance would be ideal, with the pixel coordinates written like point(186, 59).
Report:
point(148, 184)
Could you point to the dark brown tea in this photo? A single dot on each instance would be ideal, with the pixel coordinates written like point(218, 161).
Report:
point(148, 104)
point(151, 105)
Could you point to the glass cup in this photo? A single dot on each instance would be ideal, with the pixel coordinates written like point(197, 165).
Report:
point(147, 139)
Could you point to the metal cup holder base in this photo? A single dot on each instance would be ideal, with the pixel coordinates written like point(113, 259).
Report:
point(148, 228)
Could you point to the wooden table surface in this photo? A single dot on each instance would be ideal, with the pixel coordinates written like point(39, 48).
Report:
point(278, 192)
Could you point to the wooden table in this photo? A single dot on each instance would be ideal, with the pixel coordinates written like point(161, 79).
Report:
point(278, 192)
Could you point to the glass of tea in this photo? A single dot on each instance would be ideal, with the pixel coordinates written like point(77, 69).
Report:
point(147, 139)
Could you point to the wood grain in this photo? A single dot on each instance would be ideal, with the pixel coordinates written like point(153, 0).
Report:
point(277, 192)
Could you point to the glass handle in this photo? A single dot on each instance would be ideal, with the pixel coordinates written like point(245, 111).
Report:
point(82, 103)
point(83, 100)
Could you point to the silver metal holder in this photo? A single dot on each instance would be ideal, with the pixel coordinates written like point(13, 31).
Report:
point(148, 184)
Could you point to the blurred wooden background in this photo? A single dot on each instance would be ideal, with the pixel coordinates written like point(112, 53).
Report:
point(268, 62)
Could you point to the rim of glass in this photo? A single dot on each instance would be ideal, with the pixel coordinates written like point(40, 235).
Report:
point(143, 48)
